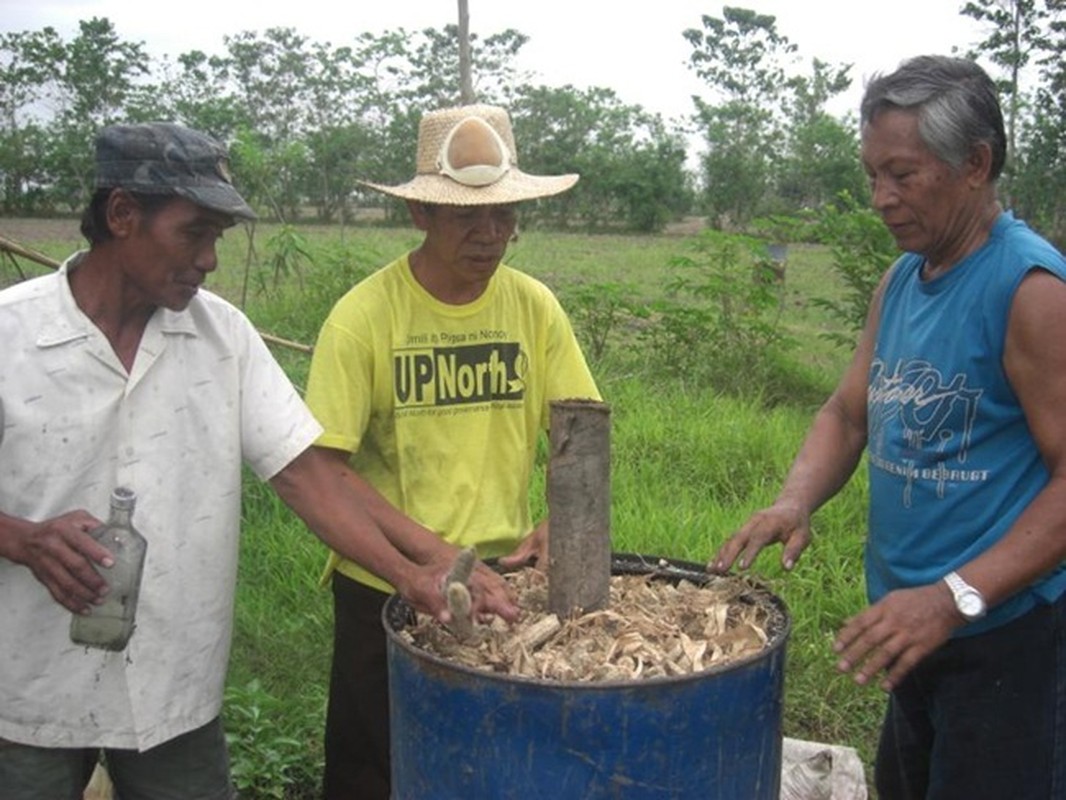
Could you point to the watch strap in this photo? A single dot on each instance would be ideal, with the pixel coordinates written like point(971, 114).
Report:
point(961, 589)
point(956, 583)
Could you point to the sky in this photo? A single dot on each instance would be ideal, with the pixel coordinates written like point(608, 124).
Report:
point(636, 50)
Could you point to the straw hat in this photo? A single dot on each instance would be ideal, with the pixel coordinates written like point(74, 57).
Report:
point(467, 157)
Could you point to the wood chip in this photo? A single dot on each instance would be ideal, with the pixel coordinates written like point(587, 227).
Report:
point(532, 636)
point(651, 628)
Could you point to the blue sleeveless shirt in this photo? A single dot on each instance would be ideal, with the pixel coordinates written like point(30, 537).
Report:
point(951, 460)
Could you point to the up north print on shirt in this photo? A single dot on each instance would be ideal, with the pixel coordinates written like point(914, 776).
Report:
point(935, 418)
point(458, 374)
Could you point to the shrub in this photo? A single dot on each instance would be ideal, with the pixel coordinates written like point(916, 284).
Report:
point(862, 249)
point(720, 319)
point(267, 759)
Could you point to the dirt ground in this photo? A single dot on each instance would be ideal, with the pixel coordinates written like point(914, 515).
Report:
point(28, 231)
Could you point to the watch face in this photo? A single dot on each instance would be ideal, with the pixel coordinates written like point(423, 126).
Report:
point(970, 604)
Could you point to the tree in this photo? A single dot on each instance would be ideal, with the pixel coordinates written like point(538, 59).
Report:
point(26, 69)
point(77, 87)
point(335, 156)
point(432, 72)
point(197, 90)
point(1015, 35)
point(96, 75)
point(821, 159)
point(632, 167)
point(739, 56)
point(1040, 163)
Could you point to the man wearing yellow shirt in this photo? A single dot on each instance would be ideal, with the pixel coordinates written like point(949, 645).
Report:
point(433, 379)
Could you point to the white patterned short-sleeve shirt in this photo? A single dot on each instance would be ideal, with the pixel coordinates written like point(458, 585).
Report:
point(204, 396)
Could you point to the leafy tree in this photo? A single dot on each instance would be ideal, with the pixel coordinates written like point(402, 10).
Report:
point(269, 73)
point(196, 89)
point(1039, 170)
point(1015, 35)
point(633, 167)
point(1040, 165)
point(821, 159)
point(1024, 35)
point(78, 87)
point(772, 147)
point(736, 167)
point(433, 77)
point(310, 118)
point(97, 75)
point(25, 71)
point(22, 150)
point(739, 56)
point(335, 155)
point(650, 186)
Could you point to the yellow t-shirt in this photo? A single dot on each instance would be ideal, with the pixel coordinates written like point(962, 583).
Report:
point(442, 405)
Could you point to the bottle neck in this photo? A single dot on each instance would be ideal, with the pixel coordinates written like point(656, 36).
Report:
point(121, 517)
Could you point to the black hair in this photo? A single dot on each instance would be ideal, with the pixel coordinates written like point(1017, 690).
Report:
point(94, 225)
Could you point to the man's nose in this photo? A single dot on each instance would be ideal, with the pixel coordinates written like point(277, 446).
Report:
point(207, 259)
point(882, 193)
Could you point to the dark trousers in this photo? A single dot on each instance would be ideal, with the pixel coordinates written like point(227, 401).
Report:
point(192, 766)
point(983, 718)
point(357, 717)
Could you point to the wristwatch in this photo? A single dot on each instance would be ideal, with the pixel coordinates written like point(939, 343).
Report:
point(968, 600)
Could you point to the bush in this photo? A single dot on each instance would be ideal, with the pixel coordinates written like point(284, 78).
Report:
point(720, 320)
point(862, 249)
point(268, 759)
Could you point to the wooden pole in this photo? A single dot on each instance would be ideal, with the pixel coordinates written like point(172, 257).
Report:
point(11, 246)
point(579, 507)
point(466, 82)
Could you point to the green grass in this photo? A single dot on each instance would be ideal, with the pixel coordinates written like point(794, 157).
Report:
point(690, 461)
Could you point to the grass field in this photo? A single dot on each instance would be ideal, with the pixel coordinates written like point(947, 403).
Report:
point(696, 447)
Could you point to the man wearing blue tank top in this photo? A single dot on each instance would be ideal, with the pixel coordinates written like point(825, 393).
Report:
point(955, 393)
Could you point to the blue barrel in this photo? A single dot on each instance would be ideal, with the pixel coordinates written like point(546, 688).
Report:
point(464, 734)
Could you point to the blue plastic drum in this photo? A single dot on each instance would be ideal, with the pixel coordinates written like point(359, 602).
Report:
point(464, 734)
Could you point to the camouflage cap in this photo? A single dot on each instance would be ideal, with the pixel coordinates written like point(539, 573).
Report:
point(165, 158)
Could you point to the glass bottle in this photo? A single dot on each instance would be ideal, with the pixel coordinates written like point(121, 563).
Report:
point(110, 624)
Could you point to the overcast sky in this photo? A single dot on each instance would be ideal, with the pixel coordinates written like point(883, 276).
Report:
point(635, 49)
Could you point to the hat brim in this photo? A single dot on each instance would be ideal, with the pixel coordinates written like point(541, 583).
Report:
point(513, 187)
point(218, 197)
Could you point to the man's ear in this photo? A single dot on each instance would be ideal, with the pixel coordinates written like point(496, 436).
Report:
point(419, 214)
point(123, 213)
point(979, 165)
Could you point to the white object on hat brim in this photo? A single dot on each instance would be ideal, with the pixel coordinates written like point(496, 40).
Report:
point(474, 173)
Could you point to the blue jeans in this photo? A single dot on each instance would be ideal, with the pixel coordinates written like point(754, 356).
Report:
point(982, 718)
point(193, 766)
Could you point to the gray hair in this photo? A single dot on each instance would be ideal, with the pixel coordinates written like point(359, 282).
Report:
point(956, 103)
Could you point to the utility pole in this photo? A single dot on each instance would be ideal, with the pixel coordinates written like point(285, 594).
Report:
point(466, 84)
